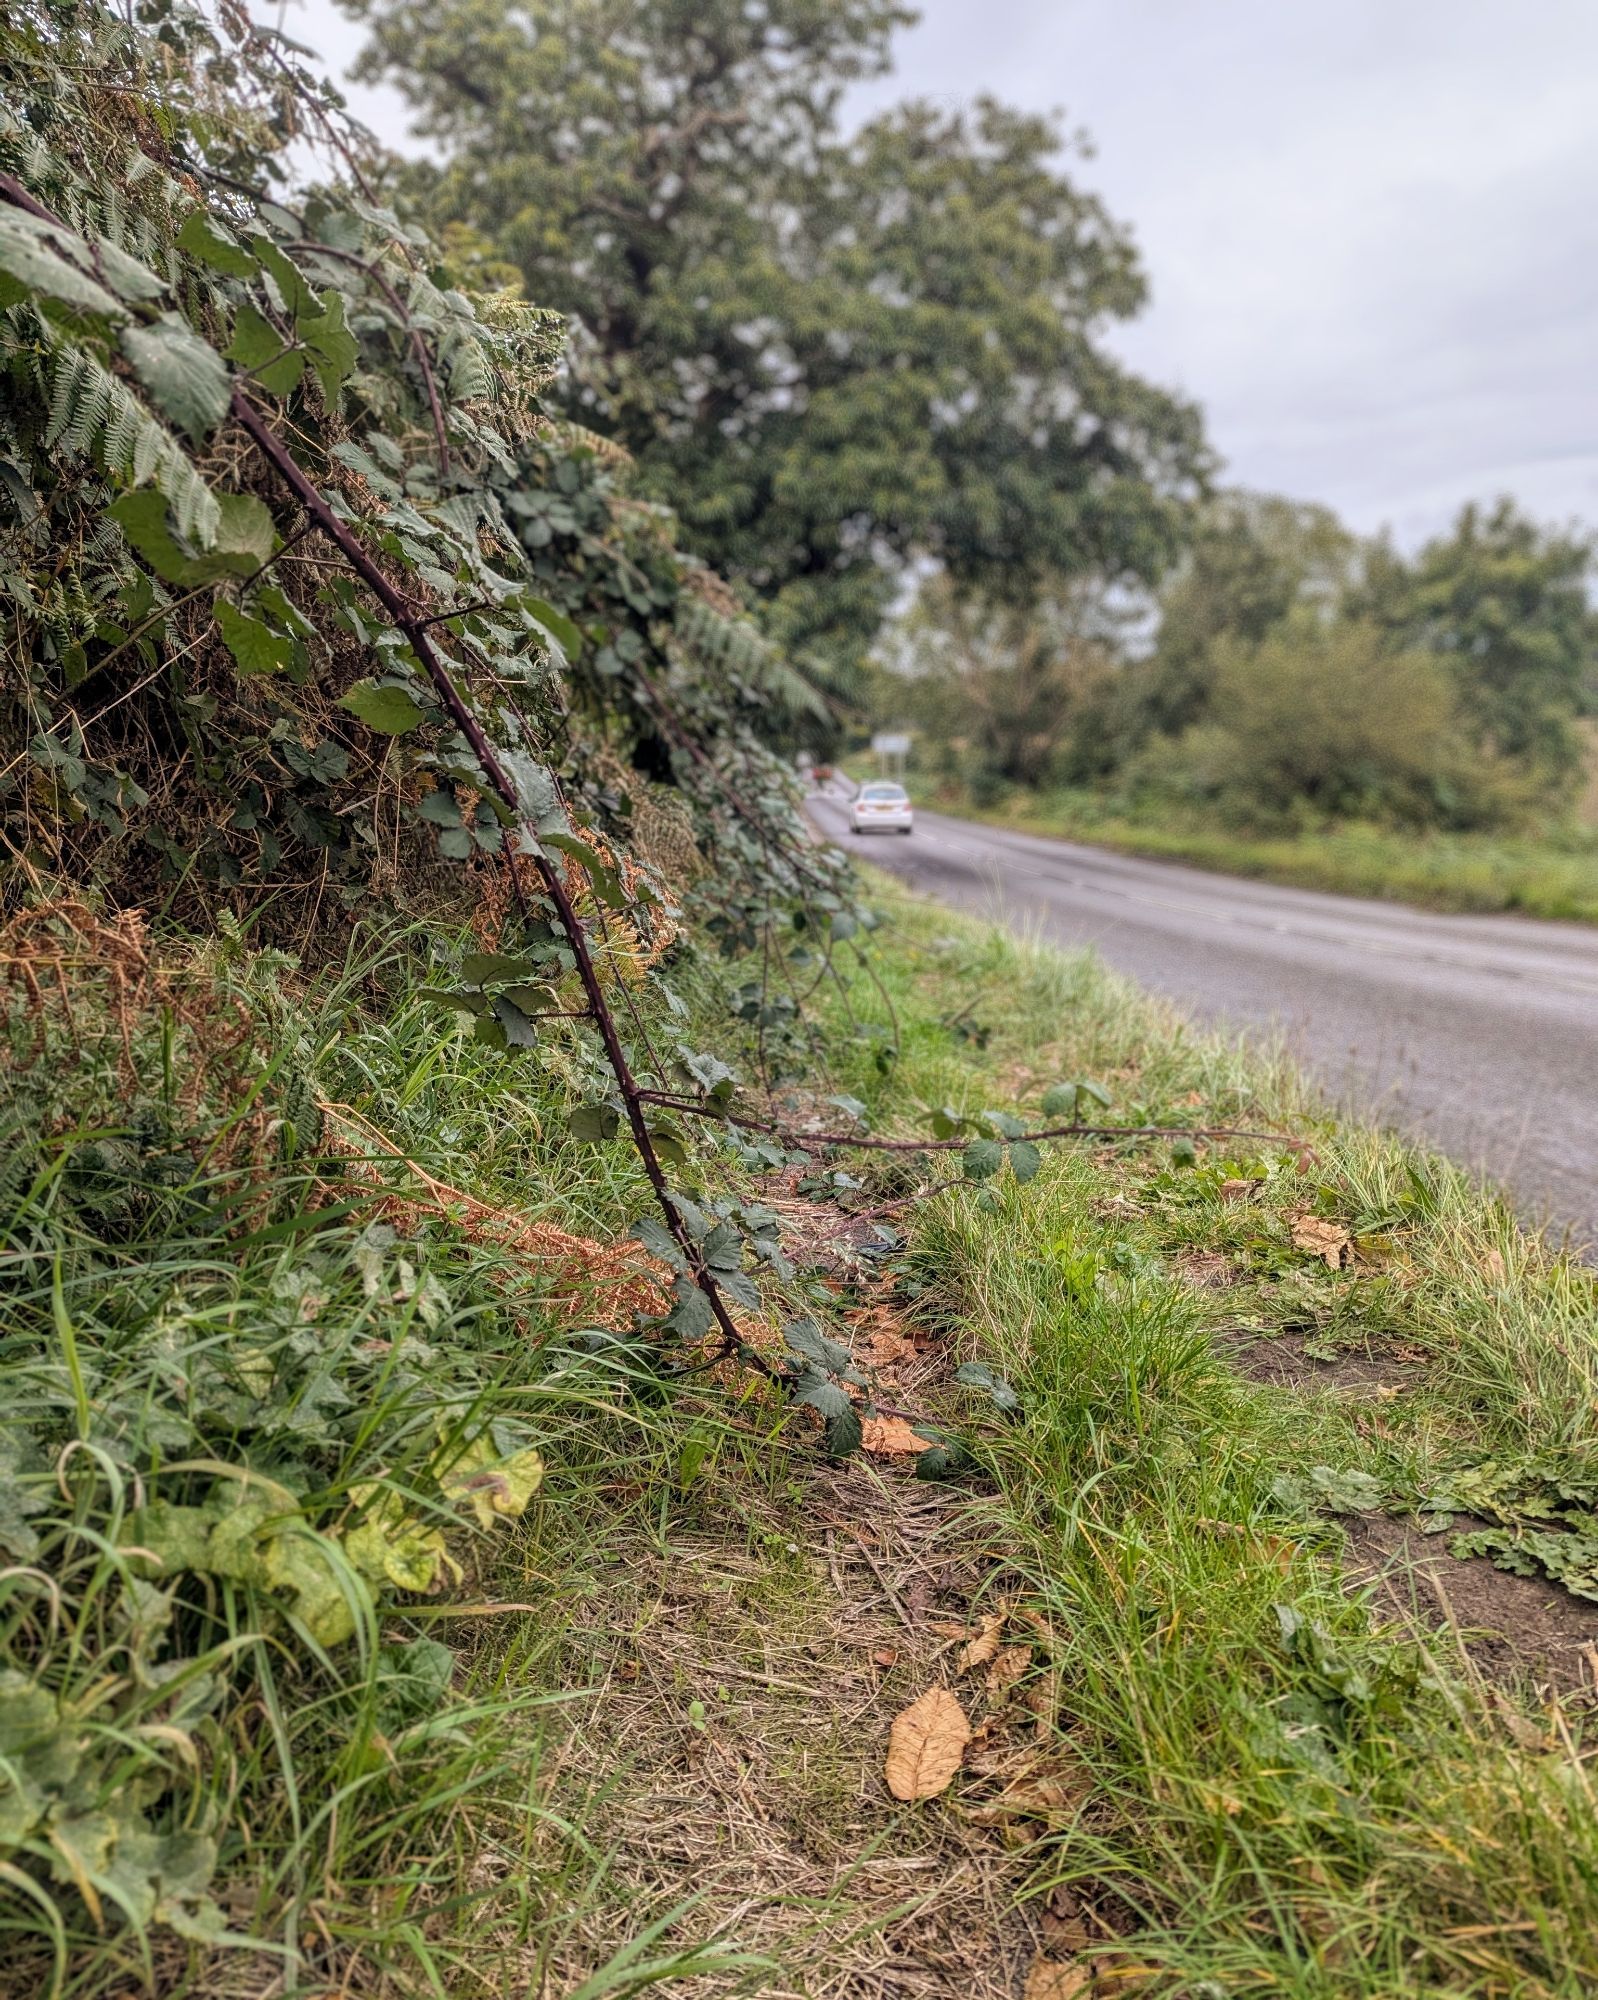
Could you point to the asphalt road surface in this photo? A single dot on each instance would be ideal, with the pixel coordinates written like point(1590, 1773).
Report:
point(1478, 1034)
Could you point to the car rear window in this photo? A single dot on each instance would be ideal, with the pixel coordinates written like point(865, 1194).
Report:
point(885, 794)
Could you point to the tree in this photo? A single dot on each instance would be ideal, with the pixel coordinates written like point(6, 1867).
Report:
point(1255, 559)
point(831, 354)
point(1006, 683)
point(1328, 716)
point(1504, 601)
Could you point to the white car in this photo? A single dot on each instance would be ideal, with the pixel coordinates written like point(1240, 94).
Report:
point(881, 809)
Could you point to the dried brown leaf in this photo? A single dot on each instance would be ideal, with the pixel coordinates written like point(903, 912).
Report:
point(1009, 1663)
point(890, 1437)
point(1054, 1979)
point(1327, 1240)
point(978, 1651)
point(925, 1745)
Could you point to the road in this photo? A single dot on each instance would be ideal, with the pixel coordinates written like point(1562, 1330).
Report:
point(1477, 1034)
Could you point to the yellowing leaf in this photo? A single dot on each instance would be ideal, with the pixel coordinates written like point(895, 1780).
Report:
point(925, 1745)
point(495, 1487)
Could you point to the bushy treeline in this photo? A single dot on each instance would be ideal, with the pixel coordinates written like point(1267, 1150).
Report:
point(1288, 670)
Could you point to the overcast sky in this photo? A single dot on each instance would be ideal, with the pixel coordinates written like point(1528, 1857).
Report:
point(1370, 226)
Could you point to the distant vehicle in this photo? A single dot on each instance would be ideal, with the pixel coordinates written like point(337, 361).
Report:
point(878, 808)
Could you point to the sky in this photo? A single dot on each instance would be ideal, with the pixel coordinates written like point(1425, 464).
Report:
point(1370, 227)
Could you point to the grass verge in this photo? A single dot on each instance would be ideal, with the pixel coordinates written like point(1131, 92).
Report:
point(1256, 1609)
point(1444, 871)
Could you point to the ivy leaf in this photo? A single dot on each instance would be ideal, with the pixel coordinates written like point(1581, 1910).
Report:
point(982, 1159)
point(201, 237)
point(255, 647)
point(978, 1375)
point(185, 375)
point(383, 707)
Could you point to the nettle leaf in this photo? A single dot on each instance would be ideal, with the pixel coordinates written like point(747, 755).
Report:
point(978, 1375)
point(185, 375)
point(255, 647)
point(982, 1159)
point(206, 240)
point(384, 707)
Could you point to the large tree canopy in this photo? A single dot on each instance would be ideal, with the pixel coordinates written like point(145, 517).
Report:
point(833, 353)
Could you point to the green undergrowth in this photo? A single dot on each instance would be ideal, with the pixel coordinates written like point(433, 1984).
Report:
point(1284, 1788)
point(1482, 872)
point(316, 1474)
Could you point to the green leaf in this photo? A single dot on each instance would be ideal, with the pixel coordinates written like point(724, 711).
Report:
point(33, 267)
point(255, 647)
point(982, 1159)
point(331, 343)
point(462, 1003)
point(519, 1031)
point(259, 348)
point(383, 707)
point(245, 536)
point(1025, 1159)
point(658, 1240)
point(142, 517)
point(946, 1122)
point(1005, 1123)
point(559, 627)
point(185, 375)
point(293, 286)
point(594, 1123)
point(201, 237)
point(805, 1338)
point(978, 1375)
point(1064, 1100)
point(484, 968)
point(693, 1315)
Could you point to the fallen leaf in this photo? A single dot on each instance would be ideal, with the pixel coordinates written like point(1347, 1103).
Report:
point(1009, 1663)
point(1492, 1267)
point(1054, 1979)
point(1327, 1240)
point(1062, 1934)
point(889, 1437)
point(1524, 1731)
point(978, 1651)
point(886, 1656)
point(1237, 1190)
point(925, 1745)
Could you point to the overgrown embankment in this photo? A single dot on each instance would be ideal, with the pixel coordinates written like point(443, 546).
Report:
point(398, 1610)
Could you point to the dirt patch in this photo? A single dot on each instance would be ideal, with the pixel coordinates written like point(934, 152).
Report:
point(1281, 1359)
point(733, 1744)
point(1512, 1626)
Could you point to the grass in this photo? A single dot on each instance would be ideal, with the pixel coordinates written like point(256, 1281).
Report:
point(1218, 1753)
point(1538, 876)
point(1283, 1788)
